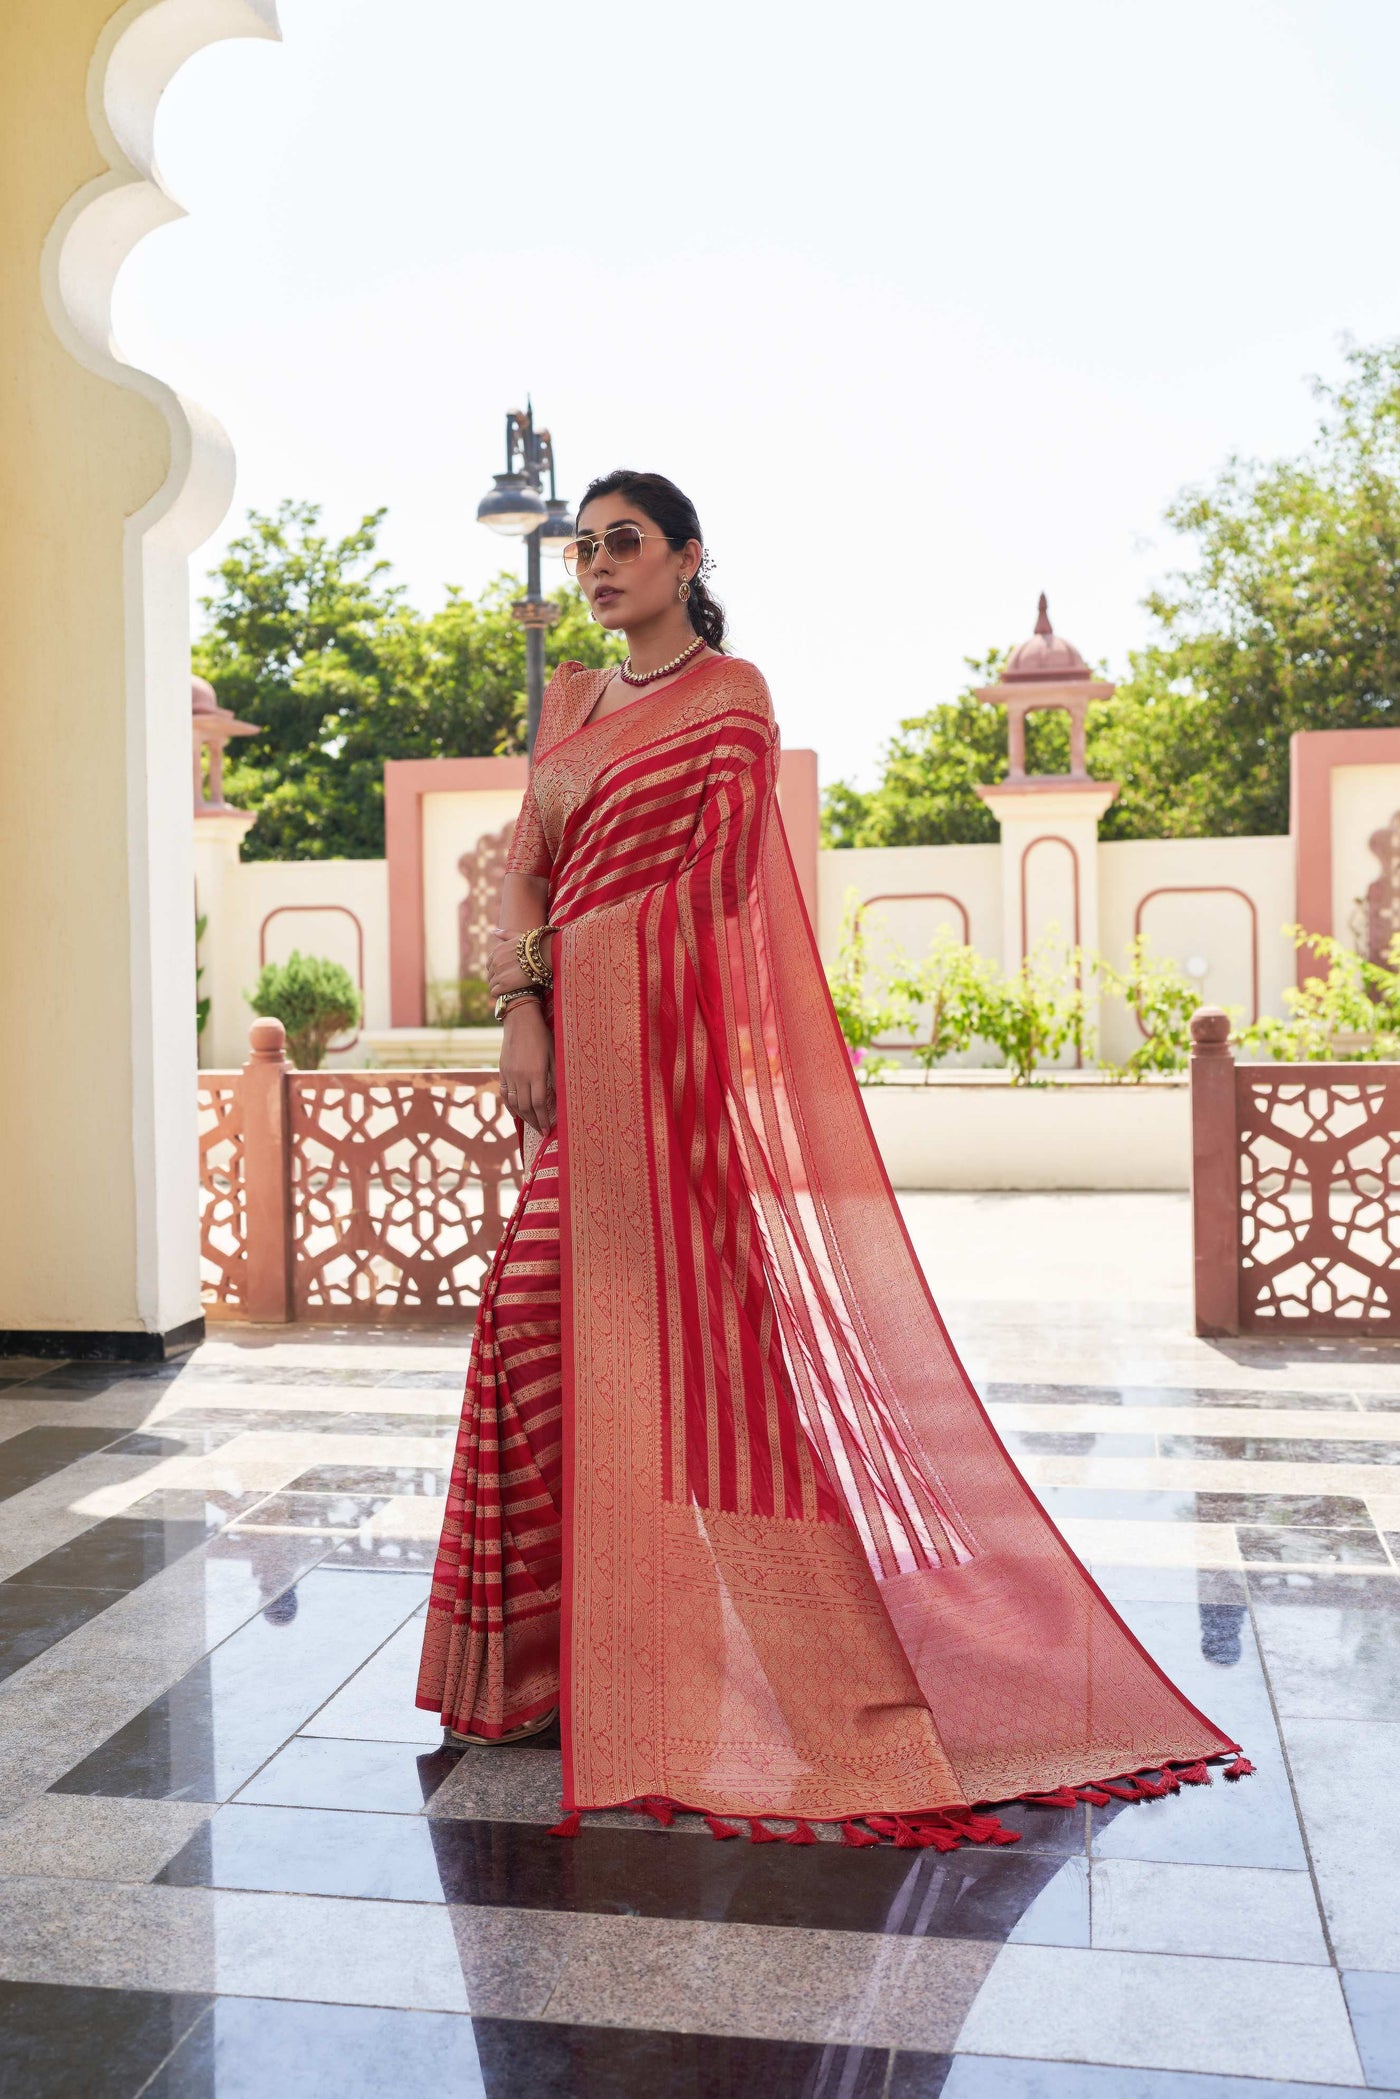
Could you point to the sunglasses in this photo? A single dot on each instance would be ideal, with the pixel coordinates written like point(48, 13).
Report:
point(620, 542)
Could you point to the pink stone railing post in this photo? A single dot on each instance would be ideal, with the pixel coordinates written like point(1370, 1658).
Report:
point(1215, 1174)
point(267, 1175)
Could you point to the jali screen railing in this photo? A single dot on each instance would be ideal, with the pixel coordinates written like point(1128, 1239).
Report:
point(347, 1196)
point(1295, 1186)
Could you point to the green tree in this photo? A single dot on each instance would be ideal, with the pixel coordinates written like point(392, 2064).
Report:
point(932, 768)
point(308, 637)
point(1287, 618)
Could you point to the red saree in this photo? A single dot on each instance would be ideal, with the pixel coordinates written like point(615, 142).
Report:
point(746, 1512)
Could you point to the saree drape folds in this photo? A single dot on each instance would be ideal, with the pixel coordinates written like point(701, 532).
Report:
point(800, 1575)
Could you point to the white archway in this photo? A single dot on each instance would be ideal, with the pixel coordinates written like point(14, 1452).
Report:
point(97, 854)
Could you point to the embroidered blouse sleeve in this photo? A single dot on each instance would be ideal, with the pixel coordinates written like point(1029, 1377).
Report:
point(529, 849)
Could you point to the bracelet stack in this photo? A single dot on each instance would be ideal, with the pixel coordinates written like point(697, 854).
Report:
point(508, 999)
point(529, 954)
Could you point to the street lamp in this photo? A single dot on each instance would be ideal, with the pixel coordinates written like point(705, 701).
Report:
point(516, 508)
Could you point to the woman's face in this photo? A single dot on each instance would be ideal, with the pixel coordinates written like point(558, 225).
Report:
point(629, 593)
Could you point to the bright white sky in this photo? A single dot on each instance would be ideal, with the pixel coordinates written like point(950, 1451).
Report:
point(930, 307)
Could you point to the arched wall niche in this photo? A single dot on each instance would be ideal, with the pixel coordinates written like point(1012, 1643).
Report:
point(112, 487)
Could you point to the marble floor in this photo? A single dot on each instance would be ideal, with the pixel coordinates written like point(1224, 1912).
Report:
point(235, 1861)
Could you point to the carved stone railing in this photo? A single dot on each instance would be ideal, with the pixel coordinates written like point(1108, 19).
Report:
point(1295, 1191)
point(344, 1196)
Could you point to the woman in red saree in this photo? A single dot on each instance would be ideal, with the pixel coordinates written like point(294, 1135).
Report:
point(724, 1494)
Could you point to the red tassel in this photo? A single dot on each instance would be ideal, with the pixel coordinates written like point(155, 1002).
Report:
point(939, 1839)
point(721, 1830)
point(660, 1811)
point(1094, 1795)
point(1241, 1768)
point(759, 1835)
point(1061, 1797)
point(1122, 1789)
point(1194, 1775)
point(803, 1833)
point(883, 1825)
point(1154, 1788)
point(568, 1827)
point(857, 1838)
point(904, 1837)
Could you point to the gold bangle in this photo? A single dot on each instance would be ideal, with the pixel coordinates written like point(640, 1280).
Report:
point(531, 958)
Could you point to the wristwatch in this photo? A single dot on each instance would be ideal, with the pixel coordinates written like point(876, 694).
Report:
point(508, 999)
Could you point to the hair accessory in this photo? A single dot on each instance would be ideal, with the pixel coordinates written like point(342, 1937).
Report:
point(631, 677)
point(707, 566)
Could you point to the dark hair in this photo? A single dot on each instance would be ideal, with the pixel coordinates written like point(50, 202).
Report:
point(674, 514)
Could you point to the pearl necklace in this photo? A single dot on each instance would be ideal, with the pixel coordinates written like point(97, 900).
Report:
point(631, 677)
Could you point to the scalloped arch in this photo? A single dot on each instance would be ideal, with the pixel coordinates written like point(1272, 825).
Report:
point(141, 48)
point(138, 51)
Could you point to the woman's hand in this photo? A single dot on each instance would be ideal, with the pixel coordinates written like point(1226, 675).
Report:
point(503, 971)
point(527, 1065)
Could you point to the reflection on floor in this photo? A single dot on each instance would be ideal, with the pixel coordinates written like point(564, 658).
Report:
point(236, 1863)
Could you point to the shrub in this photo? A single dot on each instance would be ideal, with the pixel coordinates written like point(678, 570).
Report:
point(461, 1002)
point(1036, 1011)
point(942, 999)
point(201, 998)
point(863, 1017)
point(1350, 1015)
point(1164, 998)
point(313, 998)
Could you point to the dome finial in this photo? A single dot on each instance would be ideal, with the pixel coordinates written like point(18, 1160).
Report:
point(1042, 624)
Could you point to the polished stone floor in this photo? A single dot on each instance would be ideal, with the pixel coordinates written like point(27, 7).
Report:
point(236, 1863)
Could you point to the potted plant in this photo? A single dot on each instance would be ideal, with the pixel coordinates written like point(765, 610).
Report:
point(313, 997)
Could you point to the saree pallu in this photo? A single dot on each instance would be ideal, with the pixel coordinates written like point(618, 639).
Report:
point(798, 1573)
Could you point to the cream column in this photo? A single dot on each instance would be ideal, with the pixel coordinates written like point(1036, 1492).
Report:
point(1050, 867)
point(1050, 854)
point(110, 481)
point(218, 834)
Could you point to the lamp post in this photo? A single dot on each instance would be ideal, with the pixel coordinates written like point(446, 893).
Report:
point(516, 508)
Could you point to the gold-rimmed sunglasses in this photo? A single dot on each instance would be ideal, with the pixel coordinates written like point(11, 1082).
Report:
point(620, 543)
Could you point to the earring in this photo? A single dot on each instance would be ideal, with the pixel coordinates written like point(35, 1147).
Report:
point(684, 592)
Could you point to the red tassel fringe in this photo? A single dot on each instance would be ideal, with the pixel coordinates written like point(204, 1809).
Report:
point(949, 1828)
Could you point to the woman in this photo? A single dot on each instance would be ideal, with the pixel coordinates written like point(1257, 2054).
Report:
point(724, 1494)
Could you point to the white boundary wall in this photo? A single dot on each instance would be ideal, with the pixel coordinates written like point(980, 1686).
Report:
point(1214, 901)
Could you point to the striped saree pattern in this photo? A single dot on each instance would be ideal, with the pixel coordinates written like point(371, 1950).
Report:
point(800, 1576)
point(491, 1652)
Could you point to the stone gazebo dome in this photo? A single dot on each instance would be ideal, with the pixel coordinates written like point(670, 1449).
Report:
point(1045, 670)
point(213, 725)
point(1044, 654)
